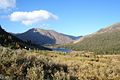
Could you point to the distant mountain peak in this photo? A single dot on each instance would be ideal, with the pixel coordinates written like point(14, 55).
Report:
point(40, 30)
point(42, 36)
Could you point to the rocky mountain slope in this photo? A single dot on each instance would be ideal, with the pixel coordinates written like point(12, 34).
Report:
point(45, 37)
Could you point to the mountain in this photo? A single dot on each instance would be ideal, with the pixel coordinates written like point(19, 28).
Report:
point(8, 40)
point(45, 37)
point(104, 41)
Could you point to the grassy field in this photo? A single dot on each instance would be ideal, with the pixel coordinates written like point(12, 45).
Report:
point(51, 65)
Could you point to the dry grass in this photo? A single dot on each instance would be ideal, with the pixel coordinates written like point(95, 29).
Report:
point(41, 65)
point(88, 66)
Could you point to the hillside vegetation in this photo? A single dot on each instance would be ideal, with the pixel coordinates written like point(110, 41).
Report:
point(105, 41)
point(48, 65)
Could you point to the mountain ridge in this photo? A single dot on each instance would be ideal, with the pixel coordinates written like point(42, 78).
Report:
point(9, 40)
point(112, 28)
point(105, 40)
point(45, 37)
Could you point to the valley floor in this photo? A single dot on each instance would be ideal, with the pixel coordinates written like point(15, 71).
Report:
point(51, 65)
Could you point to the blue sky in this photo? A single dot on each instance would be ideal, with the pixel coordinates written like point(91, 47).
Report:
point(74, 17)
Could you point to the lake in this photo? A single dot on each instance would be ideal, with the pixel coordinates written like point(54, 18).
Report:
point(62, 49)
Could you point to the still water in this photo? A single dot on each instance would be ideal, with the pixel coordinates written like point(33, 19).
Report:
point(62, 49)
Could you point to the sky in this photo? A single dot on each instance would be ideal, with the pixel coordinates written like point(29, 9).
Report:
point(73, 17)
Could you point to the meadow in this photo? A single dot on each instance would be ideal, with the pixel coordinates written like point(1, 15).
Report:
point(52, 65)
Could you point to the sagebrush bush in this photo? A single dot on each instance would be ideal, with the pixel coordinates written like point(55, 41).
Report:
point(19, 65)
point(48, 65)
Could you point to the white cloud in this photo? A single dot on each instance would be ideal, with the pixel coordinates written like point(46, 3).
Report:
point(7, 4)
point(28, 18)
